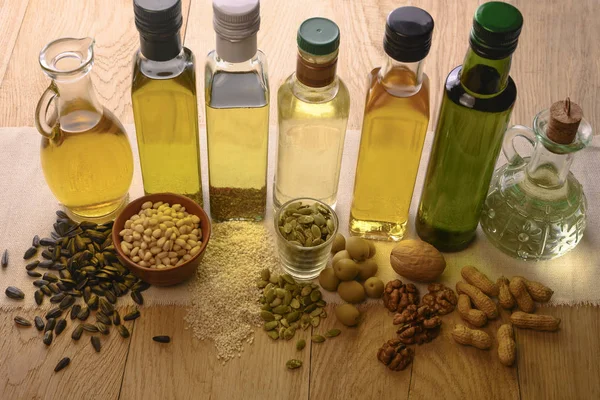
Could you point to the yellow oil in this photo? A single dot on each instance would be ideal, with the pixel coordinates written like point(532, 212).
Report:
point(237, 141)
point(166, 122)
point(393, 133)
point(88, 163)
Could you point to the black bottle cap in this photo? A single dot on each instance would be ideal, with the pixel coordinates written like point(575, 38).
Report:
point(408, 32)
point(158, 22)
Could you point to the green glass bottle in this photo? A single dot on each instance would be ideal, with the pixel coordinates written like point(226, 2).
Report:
point(478, 100)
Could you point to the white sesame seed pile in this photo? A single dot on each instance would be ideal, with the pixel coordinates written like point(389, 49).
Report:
point(224, 306)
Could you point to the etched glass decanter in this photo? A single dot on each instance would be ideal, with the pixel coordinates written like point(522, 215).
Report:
point(535, 208)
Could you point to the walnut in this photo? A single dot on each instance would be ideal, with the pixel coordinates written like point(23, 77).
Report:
point(419, 324)
point(397, 295)
point(440, 298)
point(395, 355)
point(417, 334)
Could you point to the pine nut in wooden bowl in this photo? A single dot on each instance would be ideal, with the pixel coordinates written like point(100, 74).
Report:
point(166, 264)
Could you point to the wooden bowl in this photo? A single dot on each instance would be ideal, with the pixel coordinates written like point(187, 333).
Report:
point(171, 275)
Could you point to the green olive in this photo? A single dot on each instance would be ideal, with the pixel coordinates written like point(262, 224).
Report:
point(366, 269)
point(374, 287)
point(351, 291)
point(339, 243)
point(338, 256)
point(347, 314)
point(358, 248)
point(328, 280)
point(346, 269)
point(372, 250)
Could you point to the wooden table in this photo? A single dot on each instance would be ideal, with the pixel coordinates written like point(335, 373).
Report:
point(557, 56)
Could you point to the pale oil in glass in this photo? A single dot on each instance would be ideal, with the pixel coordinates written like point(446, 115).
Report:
point(394, 128)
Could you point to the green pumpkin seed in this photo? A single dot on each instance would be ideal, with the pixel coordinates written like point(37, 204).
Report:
point(273, 335)
point(314, 321)
point(300, 344)
point(317, 339)
point(268, 326)
point(289, 333)
point(332, 333)
point(281, 309)
point(293, 364)
point(267, 316)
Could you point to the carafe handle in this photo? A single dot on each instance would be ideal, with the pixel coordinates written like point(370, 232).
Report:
point(42, 110)
point(508, 146)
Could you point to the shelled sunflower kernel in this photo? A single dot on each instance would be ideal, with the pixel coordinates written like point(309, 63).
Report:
point(161, 236)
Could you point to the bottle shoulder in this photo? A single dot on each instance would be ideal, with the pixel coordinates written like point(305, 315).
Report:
point(181, 69)
point(456, 92)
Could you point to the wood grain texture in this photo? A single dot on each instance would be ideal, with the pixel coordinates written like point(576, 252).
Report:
point(563, 364)
point(187, 368)
point(11, 17)
point(27, 365)
point(346, 367)
point(117, 40)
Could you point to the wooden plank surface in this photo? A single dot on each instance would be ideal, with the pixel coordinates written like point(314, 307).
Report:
point(557, 56)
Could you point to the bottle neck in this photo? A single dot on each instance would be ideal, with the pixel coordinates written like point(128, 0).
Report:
point(77, 102)
point(236, 51)
point(484, 76)
point(547, 169)
point(160, 48)
point(316, 71)
point(401, 79)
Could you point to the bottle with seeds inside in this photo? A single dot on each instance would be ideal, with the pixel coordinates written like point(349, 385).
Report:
point(313, 106)
point(165, 108)
point(237, 114)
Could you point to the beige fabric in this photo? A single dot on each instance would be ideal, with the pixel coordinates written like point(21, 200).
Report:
point(28, 209)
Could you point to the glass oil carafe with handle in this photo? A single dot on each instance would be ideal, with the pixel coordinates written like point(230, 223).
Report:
point(536, 208)
point(85, 153)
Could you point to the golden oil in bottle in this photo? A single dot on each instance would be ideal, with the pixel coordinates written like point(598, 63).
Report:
point(394, 128)
point(88, 163)
point(165, 105)
point(237, 114)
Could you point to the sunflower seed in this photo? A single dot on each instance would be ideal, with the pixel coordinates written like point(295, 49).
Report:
point(35, 242)
point(53, 288)
point(51, 324)
point(293, 364)
point(50, 277)
point(123, 331)
point(32, 265)
point(62, 363)
point(34, 274)
point(116, 318)
point(90, 327)
point(66, 302)
point(47, 242)
point(14, 293)
point(46, 290)
point(40, 282)
point(46, 264)
point(137, 297)
point(54, 313)
point(103, 329)
point(100, 317)
point(93, 302)
point(60, 326)
point(38, 296)
point(84, 313)
point(4, 261)
point(57, 298)
point(96, 343)
point(162, 339)
point(132, 315)
point(39, 323)
point(75, 311)
point(77, 332)
point(47, 338)
point(30, 252)
point(22, 321)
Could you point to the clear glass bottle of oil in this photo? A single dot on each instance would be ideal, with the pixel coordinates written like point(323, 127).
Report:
point(394, 128)
point(165, 107)
point(313, 106)
point(237, 114)
point(85, 153)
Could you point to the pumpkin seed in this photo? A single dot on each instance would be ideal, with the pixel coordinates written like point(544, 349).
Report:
point(96, 343)
point(293, 364)
point(300, 344)
point(60, 326)
point(39, 323)
point(22, 321)
point(162, 339)
point(317, 339)
point(273, 334)
point(332, 333)
point(268, 326)
point(77, 332)
point(62, 364)
point(289, 333)
point(14, 293)
point(267, 316)
point(123, 331)
point(314, 321)
point(48, 338)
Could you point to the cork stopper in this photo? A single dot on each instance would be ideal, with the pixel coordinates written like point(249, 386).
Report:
point(565, 117)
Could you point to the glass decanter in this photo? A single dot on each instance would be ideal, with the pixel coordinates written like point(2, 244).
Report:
point(85, 153)
point(535, 208)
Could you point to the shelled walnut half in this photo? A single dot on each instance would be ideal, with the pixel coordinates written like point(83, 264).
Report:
point(395, 355)
point(440, 298)
point(397, 295)
point(418, 325)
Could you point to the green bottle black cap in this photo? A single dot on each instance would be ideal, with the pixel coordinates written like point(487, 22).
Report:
point(318, 36)
point(408, 32)
point(496, 30)
point(158, 22)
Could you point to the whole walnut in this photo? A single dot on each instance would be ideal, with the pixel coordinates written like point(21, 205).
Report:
point(395, 355)
point(397, 295)
point(440, 298)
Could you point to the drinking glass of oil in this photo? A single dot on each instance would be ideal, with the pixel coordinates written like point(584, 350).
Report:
point(85, 153)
